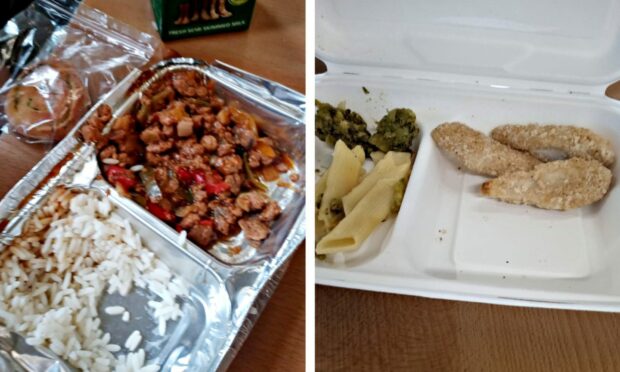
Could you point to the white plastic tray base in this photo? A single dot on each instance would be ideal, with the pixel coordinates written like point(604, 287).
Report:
point(450, 242)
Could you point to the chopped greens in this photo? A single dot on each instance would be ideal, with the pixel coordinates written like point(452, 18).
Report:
point(396, 131)
point(336, 208)
point(399, 193)
point(334, 123)
point(365, 90)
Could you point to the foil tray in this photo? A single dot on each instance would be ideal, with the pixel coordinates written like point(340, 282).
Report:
point(228, 292)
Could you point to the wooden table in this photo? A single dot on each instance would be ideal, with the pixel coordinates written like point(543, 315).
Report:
point(367, 331)
point(274, 48)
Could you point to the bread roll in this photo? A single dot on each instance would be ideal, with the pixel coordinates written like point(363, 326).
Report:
point(47, 102)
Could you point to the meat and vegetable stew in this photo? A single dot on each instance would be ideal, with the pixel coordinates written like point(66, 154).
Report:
point(192, 160)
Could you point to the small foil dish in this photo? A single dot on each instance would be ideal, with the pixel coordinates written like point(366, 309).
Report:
point(228, 287)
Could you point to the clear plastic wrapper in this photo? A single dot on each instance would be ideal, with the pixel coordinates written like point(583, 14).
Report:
point(56, 58)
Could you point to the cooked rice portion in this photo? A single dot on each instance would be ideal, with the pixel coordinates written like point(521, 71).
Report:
point(52, 277)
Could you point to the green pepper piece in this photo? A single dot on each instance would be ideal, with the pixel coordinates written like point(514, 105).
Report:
point(251, 176)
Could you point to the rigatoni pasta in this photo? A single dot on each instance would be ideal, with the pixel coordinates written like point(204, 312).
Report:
point(393, 165)
point(319, 225)
point(357, 226)
point(343, 174)
point(367, 205)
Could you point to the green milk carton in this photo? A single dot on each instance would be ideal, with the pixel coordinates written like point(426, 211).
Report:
point(184, 18)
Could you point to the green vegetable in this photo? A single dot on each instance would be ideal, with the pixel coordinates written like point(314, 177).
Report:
point(334, 123)
point(399, 193)
point(203, 102)
point(365, 90)
point(143, 112)
point(336, 207)
point(251, 176)
point(396, 131)
point(187, 195)
point(158, 101)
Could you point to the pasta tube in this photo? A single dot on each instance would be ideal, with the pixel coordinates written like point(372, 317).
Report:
point(367, 205)
point(351, 232)
point(342, 176)
point(393, 165)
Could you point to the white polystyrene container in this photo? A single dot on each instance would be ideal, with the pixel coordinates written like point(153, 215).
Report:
point(484, 63)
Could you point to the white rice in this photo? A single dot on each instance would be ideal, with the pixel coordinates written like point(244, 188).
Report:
point(134, 362)
point(52, 277)
point(113, 348)
point(161, 328)
point(114, 310)
point(133, 340)
point(110, 161)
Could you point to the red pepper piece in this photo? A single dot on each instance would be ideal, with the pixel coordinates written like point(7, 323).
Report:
point(207, 222)
point(160, 212)
point(184, 175)
point(199, 176)
point(217, 188)
point(179, 228)
point(213, 182)
point(214, 178)
point(118, 175)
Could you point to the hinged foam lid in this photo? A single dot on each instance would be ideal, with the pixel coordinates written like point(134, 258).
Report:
point(565, 41)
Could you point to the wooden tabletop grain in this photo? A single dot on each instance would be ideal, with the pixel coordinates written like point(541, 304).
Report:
point(368, 331)
point(273, 47)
